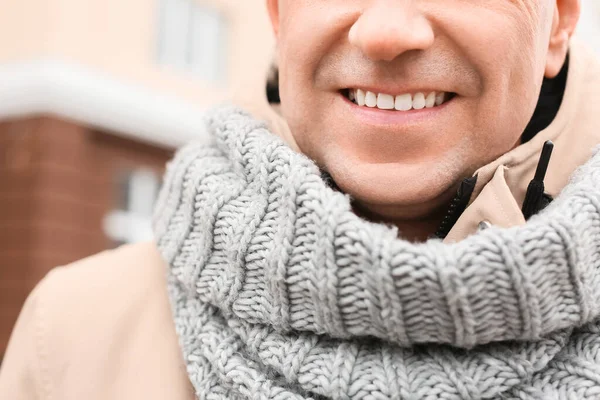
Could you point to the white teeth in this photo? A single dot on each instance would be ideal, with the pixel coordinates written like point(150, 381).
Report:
point(430, 100)
point(360, 97)
point(403, 102)
point(385, 101)
point(419, 101)
point(371, 99)
point(440, 98)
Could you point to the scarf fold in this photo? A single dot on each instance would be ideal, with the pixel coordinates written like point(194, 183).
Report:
point(279, 291)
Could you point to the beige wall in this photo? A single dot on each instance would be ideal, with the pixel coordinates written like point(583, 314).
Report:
point(24, 27)
point(119, 37)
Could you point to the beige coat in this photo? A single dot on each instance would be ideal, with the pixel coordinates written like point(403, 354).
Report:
point(102, 329)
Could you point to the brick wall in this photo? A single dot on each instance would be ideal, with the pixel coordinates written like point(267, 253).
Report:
point(57, 182)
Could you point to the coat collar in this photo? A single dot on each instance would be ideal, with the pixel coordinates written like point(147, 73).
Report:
point(575, 131)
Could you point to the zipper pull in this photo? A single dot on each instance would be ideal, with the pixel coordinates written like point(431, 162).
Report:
point(535, 191)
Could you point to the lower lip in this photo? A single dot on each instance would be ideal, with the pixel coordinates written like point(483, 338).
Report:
point(376, 116)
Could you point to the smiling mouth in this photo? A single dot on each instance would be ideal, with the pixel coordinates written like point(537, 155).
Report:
point(402, 102)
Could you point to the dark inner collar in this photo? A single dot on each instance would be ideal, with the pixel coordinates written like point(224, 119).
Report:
point(551, 97)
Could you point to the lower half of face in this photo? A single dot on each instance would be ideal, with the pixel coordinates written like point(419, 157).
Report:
point(399, 135)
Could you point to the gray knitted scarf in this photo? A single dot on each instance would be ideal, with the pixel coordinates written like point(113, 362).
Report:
point(279, 291)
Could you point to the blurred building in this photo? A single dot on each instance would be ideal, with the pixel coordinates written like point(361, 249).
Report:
point(589, 23)
point(94, 97)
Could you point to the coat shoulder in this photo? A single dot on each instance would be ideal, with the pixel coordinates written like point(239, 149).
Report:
point(99, 328)
point(98, 312)
point(101, 291)
point(119, 274)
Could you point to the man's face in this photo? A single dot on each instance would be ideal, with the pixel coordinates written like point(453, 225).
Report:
point(455, 83)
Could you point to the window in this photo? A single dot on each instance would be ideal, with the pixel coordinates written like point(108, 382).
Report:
point(192, 38)
point(131, 221)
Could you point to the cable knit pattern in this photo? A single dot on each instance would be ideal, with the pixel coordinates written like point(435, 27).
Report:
point(280, 291)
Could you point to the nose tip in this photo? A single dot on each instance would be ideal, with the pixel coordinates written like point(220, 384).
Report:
point(384, 34)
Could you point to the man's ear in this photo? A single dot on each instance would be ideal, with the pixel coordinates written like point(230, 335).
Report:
point(273, 9)
point(566, 16)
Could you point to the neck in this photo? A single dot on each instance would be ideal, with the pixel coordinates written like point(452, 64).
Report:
point(411, 229)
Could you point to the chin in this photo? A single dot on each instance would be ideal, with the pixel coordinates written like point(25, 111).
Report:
point(397, 190)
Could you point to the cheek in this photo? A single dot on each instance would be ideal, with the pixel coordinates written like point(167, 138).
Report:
point(298, 37)
point(300, 113)
point(504, 49)
point(508, 56)
point(310, 30)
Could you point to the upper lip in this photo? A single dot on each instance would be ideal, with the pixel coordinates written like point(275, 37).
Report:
point(398, 90)
point(398, 86)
